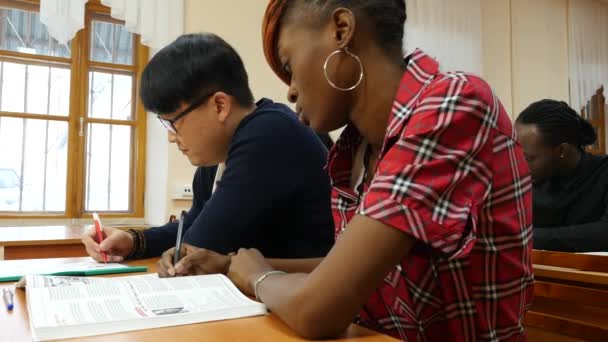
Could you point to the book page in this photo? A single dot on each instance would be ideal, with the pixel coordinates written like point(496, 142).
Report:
point(68, 301)
point(34, 281)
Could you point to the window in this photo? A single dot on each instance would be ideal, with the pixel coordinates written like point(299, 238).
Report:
point(72, 131)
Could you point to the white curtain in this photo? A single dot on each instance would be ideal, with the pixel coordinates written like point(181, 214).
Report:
point(63, 18)
point(588, 55)
point(157, 21)
point(447, 30)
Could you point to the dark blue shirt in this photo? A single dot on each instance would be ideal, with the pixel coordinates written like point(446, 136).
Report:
point(274, 194)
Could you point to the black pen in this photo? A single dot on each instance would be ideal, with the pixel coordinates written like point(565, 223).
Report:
point(8, 298)
point(178, 240)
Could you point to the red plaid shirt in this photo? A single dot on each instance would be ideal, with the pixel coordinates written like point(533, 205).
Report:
point(451, 176)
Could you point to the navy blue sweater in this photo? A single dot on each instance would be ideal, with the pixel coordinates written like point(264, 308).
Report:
point(274, 194)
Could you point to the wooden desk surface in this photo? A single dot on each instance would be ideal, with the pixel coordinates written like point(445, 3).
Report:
point(262, 328)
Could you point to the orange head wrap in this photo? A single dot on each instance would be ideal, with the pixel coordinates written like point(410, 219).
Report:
point(270, 36)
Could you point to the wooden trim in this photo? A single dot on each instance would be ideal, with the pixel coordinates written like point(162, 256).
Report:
point(24, 5)
point(80, 186)
point(583, 262)
point(141, 58)
point(77, 111)
point(96, 7)
point(568, 274)
point(570, 293)
point(110, 121)
point(75, 249)
point(29, 58)
point(115, 68)
point(34, 116)
point(566, 326)
point(33, 215)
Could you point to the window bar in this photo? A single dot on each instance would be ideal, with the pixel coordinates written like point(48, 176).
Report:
point(114, 32)
point(88, 184)
point(3, 35)
point(111, 136)
point(46, 143)
point(103, 44)
point(16, 31)
point(23, 141)
point(27, 79)
point(91, 93)
point(28, 29)
point(1, 80)
point(88, 137)
point(22, 165)
point(49, 45)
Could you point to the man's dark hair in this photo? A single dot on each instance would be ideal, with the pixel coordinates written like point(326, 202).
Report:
point(558, 123)
point(192, 66)
point(386, 17)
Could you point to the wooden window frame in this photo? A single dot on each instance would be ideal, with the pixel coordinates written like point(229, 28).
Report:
point(80, 65)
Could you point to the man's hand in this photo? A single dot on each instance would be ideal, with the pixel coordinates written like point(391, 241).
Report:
point(194, 261)
point(117, 244)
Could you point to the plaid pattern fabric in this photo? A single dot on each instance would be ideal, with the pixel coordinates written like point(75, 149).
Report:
point(451, 176)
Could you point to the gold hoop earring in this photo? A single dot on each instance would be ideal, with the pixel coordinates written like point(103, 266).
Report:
point(332, 84)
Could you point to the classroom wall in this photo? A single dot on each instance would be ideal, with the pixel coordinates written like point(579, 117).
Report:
point(496, 47)
point(525, 56)
point(539, 51)
point(525, 47)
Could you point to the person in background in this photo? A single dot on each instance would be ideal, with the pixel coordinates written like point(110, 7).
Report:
point(431, 193)
point(570, 184)
point(271, 190)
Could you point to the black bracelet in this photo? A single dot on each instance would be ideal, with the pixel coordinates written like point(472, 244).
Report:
point(141, 250)
point(136, 244)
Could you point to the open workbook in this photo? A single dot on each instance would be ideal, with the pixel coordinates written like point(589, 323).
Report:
point(64, 307)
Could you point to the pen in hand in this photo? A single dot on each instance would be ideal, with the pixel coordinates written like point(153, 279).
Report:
point(8, 298)
point(178, 240)
point(99, 232)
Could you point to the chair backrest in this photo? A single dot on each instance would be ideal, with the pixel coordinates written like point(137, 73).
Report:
point(570, 295)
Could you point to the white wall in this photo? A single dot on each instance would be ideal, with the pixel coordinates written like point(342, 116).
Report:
point(526, 50)
point(540, 51)
point(496, 35)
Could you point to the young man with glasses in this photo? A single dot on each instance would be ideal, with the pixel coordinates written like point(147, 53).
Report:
point(270, 191)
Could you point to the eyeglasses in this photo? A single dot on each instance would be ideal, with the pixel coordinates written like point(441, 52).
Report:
point(170, 123)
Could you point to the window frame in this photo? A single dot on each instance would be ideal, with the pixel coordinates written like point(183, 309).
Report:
point(80, 65)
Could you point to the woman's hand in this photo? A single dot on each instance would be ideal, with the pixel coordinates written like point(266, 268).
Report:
point(246, 267)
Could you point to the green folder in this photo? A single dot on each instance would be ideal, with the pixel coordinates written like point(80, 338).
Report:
point(85, 273)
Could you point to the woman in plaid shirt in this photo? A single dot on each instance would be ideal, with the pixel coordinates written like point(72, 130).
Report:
point(431, 194)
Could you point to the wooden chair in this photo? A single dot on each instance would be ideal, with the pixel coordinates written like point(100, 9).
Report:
point(595, 113)
point(570, 295)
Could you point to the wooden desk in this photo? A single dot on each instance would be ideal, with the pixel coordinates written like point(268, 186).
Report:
point(42, 242)
point(15, 325)
point(38, 242)
point(570, 295)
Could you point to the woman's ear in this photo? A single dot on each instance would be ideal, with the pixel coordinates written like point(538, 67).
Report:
point(564, 150)
point(344, 22)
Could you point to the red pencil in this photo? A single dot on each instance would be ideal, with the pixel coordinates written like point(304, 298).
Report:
point(99, 235)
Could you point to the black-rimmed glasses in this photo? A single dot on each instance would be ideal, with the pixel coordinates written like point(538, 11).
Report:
point(170, 123)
